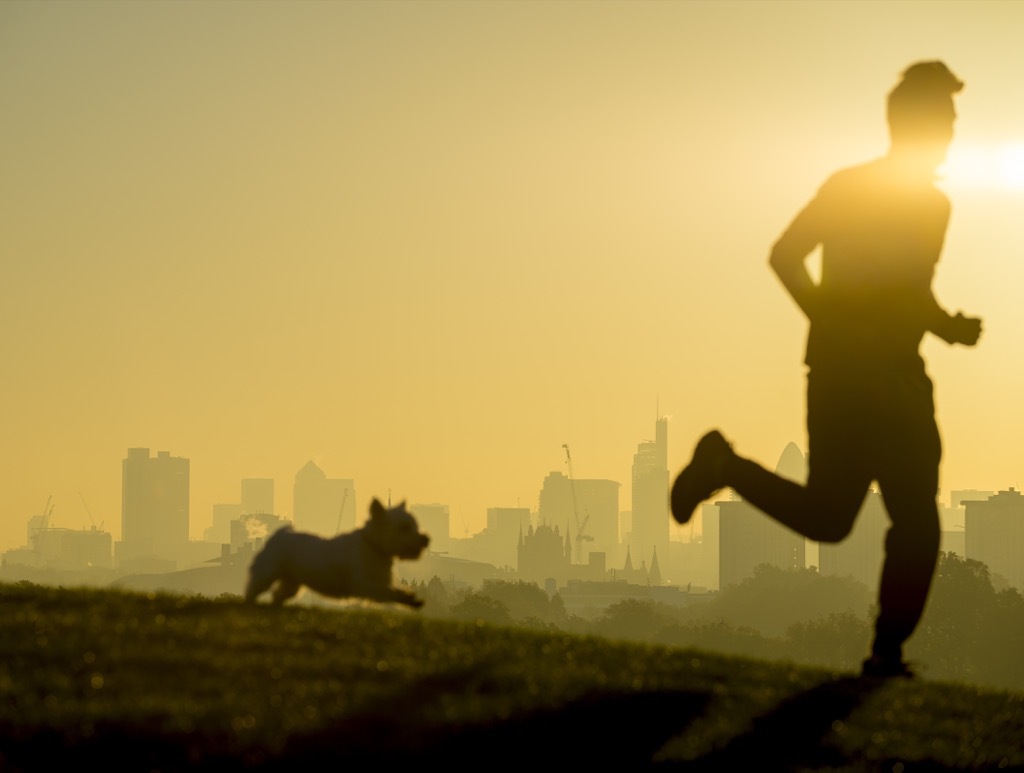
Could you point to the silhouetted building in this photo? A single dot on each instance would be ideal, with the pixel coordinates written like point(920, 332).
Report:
point(258, 495)
point(994, 534)
point(953, 514)
point(220, 530)
point(497, 543)
point(860, 554)
point(435, 520)
point(589, 508)
point(654, 576)
point(154, 505)
point(960, 497)
point(747, 537)
point(75, 549)
point(598, 501)
point(543, 554)
point(253, 529)
point(323, 505)
point(792, 464)
point(504, 525)
point(650, 517)
point(630, 573)
point(707, 564)
point(63, 549)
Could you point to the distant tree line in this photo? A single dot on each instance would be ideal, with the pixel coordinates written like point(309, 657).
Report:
point(971, 632)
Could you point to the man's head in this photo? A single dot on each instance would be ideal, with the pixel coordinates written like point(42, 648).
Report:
point(921, 112)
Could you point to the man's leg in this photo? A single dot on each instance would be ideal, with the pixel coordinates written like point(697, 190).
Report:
point(909, 449)
point(823, 510)
point(839, 468)
point(909, 487)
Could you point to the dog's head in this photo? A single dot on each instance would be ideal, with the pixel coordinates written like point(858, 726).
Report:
point(395, 531)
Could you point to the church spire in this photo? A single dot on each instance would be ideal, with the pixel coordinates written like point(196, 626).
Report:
point(655, 576)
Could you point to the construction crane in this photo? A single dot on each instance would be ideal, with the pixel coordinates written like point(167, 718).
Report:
point(580, 525)
point(89, 513)
point(44, 523)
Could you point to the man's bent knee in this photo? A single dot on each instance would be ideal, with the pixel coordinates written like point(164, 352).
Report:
point(832, 531)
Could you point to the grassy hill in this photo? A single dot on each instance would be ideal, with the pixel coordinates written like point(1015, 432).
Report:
point(128, 681)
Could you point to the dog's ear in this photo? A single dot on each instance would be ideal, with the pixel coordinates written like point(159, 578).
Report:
point(376, 508)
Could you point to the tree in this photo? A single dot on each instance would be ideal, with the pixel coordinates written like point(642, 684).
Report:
point(476, 607)
point(774, 599)
point(969, 631)
point(635, 620)
point(525, 601)
point(841, 641)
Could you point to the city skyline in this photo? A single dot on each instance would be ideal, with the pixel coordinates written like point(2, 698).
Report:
point(205, 520)
point(426, 244)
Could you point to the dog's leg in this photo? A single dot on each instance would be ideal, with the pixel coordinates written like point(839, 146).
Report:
point(256, 586)
point(284, 590)
point(400, 596)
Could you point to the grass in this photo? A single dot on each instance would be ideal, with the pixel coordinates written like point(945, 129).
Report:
point(125, 681)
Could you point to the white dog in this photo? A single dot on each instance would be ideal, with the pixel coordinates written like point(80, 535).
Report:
point(355, 564)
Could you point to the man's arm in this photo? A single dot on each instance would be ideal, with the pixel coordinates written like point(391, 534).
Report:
point(789, 255)
point(953, 329)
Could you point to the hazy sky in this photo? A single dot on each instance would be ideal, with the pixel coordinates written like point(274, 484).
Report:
point(426, 244)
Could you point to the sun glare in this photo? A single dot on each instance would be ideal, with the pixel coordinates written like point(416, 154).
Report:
point(986, 166)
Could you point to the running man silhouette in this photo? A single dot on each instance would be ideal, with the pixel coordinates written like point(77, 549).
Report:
point(870, 410)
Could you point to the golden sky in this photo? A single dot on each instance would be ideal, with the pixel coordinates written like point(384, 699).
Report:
point(426, 244)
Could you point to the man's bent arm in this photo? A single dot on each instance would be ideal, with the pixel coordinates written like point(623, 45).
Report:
point(788, 261)
point(951, 328)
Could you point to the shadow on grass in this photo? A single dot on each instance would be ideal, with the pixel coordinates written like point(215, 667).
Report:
point(793, 735)
point(602, 731)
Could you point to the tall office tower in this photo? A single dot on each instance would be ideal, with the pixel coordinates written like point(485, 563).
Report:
point(220, 529)
point(598, 501)
point(994, 534)
point(257, 495)
point(711, 545)
point(747, 537)
point(154, 502)
point(860, 554)
point(650, 499)
point(953, 518)
point(555, 503)
point(588, 509)
point(323, 505)
point(435, 520)
point(505, 527)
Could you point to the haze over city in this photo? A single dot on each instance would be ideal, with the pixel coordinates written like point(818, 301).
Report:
point(427, 244)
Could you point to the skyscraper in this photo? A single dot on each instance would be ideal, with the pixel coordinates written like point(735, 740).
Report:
point(154, 503)
point(747, 537)
point(650, 499)
point(588, 509)
point(994, 534)
point(257, 495)
point(859, 555)
point(322, 505)
point(435, 520)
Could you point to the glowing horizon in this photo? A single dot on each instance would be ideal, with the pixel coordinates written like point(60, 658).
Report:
point(427, 244)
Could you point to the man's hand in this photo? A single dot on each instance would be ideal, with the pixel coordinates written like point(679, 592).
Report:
point(964, 330)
